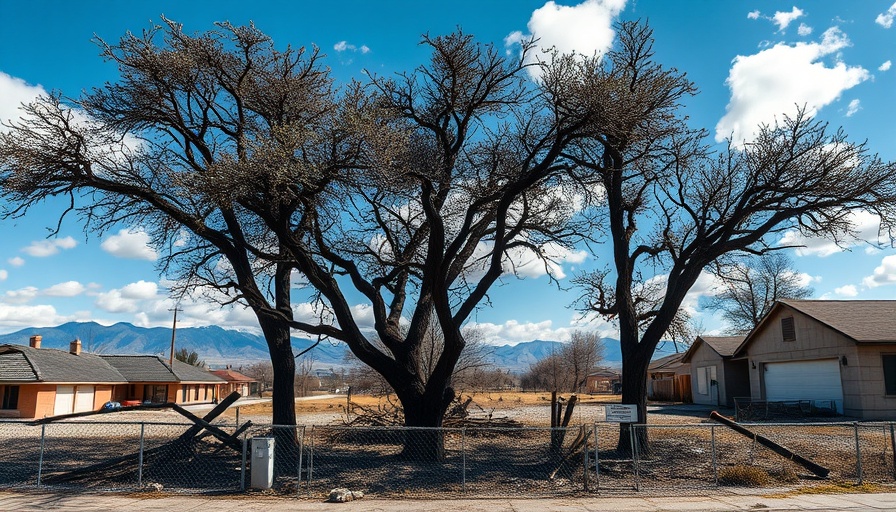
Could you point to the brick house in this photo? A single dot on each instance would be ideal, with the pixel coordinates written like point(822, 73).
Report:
point(37, 382)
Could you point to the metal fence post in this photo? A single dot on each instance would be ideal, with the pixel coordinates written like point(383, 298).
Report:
point(893, 446)
point(40, 461)
point(311, 461)
point(299, 462)
point(243, 465)
point(715, 463)
point(632, 431)
point(596, 459)
point(140, 456)
point(858, 452)
point(463, 457)
point(585, 472)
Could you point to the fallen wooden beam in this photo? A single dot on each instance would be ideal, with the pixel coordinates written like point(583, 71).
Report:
point(200, 424)
point(50, 419)
point(208, 418)
point(773, 446)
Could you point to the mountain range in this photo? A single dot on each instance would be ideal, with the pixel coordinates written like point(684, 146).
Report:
point(219, 347)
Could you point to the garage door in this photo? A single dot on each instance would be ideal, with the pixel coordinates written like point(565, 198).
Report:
point(65, 400)
point(804, 380)
point(84, 398)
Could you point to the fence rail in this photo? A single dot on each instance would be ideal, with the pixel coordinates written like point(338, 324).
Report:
point(309, 461)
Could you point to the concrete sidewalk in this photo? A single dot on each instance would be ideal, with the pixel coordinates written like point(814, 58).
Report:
point(37, 501)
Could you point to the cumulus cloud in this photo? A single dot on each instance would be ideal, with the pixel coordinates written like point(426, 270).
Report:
point(13, 93)
point(3, 274)
point(865, 224)
point(131, 244)
point(20, 296)
point(847, 291)
point(854, 106)
point(777, 80)
point(344, 46)
point(512, 332)
point(585, 29)
point(884, 274)
point(885, 66)
point(127, 299)
point(754, 15)
point(66, 289)
point(16, 261)
point(44, 248)
point(17, 317)
point(804, 30)
point(783, 19)
point(885, 19)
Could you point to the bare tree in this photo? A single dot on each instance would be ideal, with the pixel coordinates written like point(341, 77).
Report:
point(673, 206)
point(750, 286)
point(567, 369)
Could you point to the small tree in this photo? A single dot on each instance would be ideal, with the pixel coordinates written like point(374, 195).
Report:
point(190, 357)
point(566, 369)
point(751, 285)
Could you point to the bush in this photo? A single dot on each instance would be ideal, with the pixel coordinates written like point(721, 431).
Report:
point(785, 475)
point(743, 476)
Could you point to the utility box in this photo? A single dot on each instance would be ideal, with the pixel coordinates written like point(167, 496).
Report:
point(262, 462)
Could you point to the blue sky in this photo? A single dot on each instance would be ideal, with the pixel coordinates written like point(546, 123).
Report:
point(751, 60)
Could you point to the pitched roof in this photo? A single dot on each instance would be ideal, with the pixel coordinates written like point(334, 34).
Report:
point(141, 368)
point(667, 363)
point(51, 365)
point(725, 346)
point(865, 321)
point(232, 376)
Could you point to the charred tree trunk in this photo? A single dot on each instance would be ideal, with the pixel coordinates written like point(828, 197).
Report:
point(423, 414)
point(634, 391)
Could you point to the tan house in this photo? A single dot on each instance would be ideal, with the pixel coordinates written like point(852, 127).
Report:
point(38, 382)
point(603, 381)
point(832, 353)
point(234, 381)
point(668, 379)
point(716, 377)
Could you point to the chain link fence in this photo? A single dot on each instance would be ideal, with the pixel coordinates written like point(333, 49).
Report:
point(440, 463)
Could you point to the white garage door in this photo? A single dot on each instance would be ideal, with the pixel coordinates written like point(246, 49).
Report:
point(65, 400)
point(83, 398)
point(804, 380)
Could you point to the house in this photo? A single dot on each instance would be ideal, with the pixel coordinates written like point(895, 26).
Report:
point(37, 382)
point(235, 381)
point(603, 380)
point(839, 354)
point(717, 376)
point(668, 379)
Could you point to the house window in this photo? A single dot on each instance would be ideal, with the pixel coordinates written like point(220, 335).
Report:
point(155, 393)
point(788, 329)
point(10, 397)
point(706, 376)
point(889, 374)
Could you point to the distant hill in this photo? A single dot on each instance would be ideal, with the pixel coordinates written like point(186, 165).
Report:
point(217, 346)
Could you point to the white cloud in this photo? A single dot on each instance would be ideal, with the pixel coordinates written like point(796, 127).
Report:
point(886, 19)
point(3, 274)
point(512, 332)
point(130, 244)
point(66, 289)
point(585, 29)
point(20, 296)
point(13, 93)
point(854, 106)
point(783, 19)
point(884, 274)
point(343, 46)
point(16, 317)
point(129, 298)
point(753, 15)
point(777, 80)
point(865, 224)
point(804, 30)
point(524, 263)
point(847, 291)
point(44, 248)
point(16, 261)
point(885, 66)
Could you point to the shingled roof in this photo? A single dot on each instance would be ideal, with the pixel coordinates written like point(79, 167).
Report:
point(865, 321)
point(668, 363)
point(50, 365)
point(140, 368)
point(725, 346)
point(232, 376)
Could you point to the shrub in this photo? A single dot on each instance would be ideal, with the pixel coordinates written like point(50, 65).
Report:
point(743, 476)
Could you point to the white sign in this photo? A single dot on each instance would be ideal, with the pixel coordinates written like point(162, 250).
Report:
point(621, 413)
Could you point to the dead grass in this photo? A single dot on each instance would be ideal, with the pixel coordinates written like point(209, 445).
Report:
point(498, 401)
point(744, 476)
point(834, 488)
